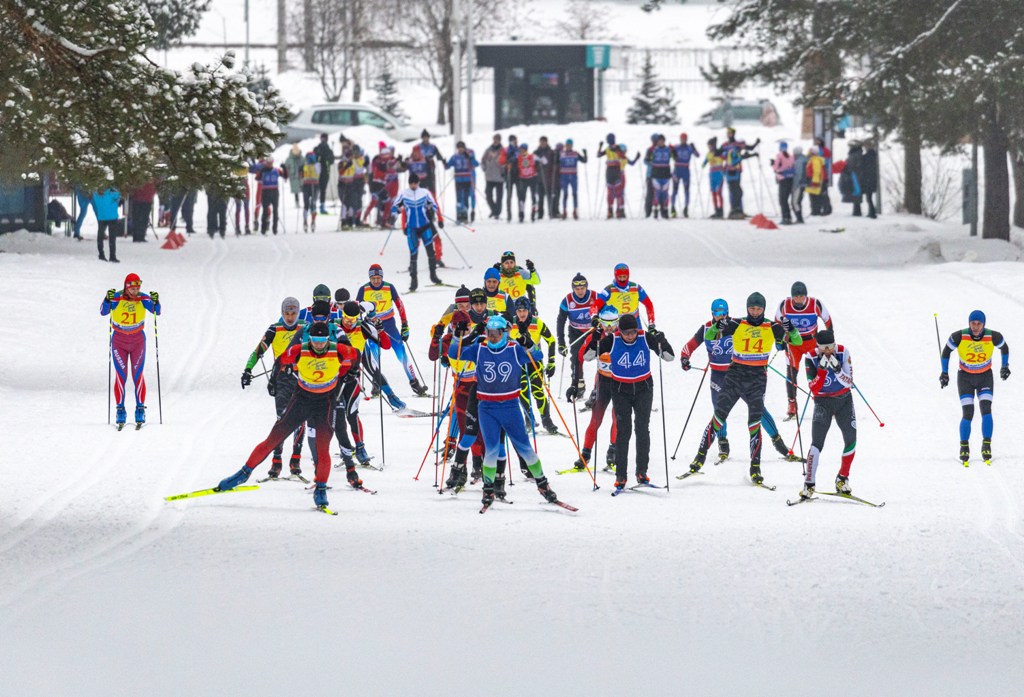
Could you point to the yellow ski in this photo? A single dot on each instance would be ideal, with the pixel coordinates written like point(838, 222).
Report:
point(209, 492)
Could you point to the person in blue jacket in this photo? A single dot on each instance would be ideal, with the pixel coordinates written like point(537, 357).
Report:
point(107, 204)
point(500, 366)
point(84, 199)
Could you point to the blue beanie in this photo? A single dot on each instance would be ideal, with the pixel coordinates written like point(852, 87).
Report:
point(492, 273)
point(977, 316)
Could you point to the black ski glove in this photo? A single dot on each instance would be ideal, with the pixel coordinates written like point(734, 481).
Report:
point(685, 362)
point(1004, 372)
point(572, 393)
point(530, 267)
point(246, 378)
point(944, 379)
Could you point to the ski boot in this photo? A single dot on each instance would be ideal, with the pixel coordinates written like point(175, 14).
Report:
point(664, 212)
point(791, 409)
point(642, 478)
point(755, 473)
point(320, 495)
point(548, 424)
point(589, 404)
point(478, 468)
point(723, 449)
point(275, 467)
point(457, 477)
point(122, 415)
point(611, 213)
point(575, 213)
point(375, 391)
point(581, 463)
point(522, 216)
point(488, 497)
point(674, 214)
point(780, 447)
point(499, 487)
point(843, 485)
point(698, 462)
point(686, 211)
point(986, 450)
point(361, 455)
point(965, 452)
point(393, 400)
point(353, 478)
point(140, 414)
point(808, 490)
point(419, 388)
point(620, 484)
point(239, 477)
point(545, 490)
point(346, 460)
point(294, 464)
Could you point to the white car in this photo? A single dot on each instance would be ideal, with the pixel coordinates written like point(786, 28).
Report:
point(741, 111)
point(337, 116)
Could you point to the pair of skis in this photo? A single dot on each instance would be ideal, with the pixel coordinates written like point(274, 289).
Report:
point(760, 485)
point(836, 494)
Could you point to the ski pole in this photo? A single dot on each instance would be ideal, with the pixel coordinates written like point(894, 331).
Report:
point(798, 436)
point(451, 415)
point(558, 411)
point(664, 436)
point(383, 457)
point(786, 378)
point(561, 376)
point(687, 423)
point(159, 397)
point(456, 247)
point(110, 365)
point(386, 240)
point(938, 341)
point(413, 357)
point(430, 443)
point(436, 445)
point(881, 424)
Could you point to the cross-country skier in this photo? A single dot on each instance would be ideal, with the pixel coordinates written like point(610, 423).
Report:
point(418, 210)
point(752, 340)
point(804, 313)
point(432, 155)
point(832, 400)
point(498, 301)
point(280, 384)
point(578, 308)
point(385, 299)
point(360, 332)
point(975, 347)
point(720, 358)
point(608, 323)
point(568, 161)
point(527, 323)
point(323, 294)
point(319, 364)
point(716, 162)
point(268, 177)
point(464, 164)
point(659, 162)
point(500, 365)
point(626, 296)
point(310, 185)
point(682, 154)
point(513, 279)
point(461, 303)
point(127, 310)
point(632, 387)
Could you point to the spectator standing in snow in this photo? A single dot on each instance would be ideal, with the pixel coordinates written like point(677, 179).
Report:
point(849, 180)
point(548, 187)
point(216, 212)
point(784, 167)
point(816, 181)
point(107, 204)
point(869, 176)
point(826, 156)
point(293, 163)
point(799, 182)
point(140, 209)
point(324, 158)
point(84, 199)
point(269, 177)
point(493, 176)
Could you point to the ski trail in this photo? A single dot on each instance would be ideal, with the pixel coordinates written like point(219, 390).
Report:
point(206, 325)
point(155, 522)
point(988, 521)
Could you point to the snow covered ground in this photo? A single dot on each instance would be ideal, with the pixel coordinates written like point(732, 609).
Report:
point(713, 588)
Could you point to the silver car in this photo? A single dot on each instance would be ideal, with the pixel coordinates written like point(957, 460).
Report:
point(741, 111)
point(337, 116)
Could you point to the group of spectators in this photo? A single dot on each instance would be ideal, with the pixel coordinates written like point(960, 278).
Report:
point(797, 173)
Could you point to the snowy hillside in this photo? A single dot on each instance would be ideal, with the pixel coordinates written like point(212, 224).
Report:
point(712, 588)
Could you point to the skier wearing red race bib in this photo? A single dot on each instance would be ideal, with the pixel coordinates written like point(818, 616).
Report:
point(803, 312)
point(127, 310)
